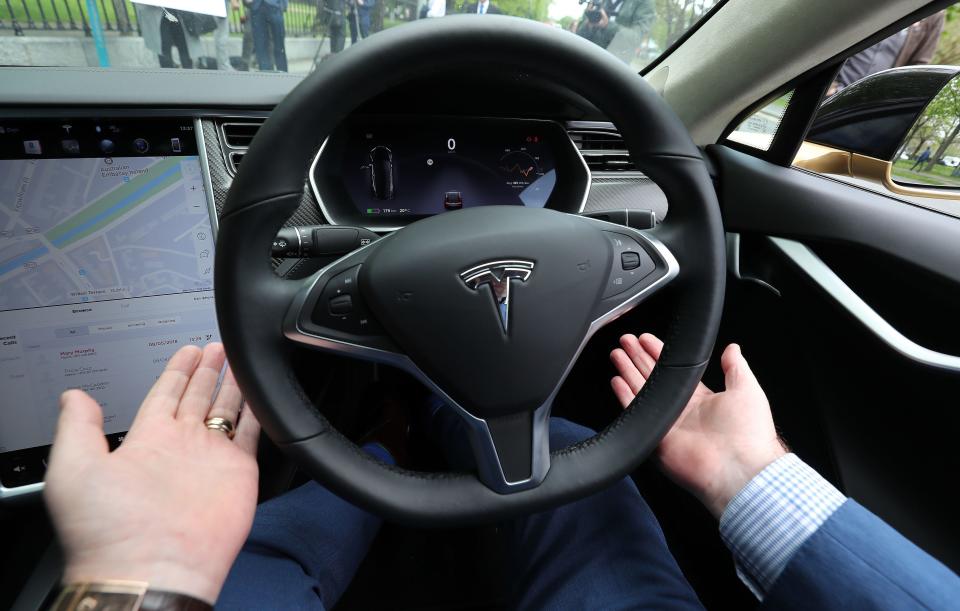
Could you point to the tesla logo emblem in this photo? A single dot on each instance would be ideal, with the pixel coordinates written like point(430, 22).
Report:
point(498, 275)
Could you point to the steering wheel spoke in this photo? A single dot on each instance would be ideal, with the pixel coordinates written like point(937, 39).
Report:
point(512, 452)
point(330, 313)
point(640, 266)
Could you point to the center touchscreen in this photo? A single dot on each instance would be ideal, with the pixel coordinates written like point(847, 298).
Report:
point(106, 269)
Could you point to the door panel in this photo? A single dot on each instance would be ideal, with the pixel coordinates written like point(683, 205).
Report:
point(760, 197)
point(888, 422)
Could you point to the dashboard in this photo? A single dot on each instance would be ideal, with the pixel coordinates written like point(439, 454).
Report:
point(108, 216)
point(383, 172)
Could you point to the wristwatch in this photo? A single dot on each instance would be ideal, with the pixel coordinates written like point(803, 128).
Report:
point(123, 596)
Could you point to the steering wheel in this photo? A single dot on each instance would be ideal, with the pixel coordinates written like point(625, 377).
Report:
point(489, 307)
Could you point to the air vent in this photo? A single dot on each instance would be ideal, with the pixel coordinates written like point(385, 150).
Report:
point(604, 151)
point(239, 135)
point(235, 159)
point(609, 163)
point(597, 141)
point(235, 137)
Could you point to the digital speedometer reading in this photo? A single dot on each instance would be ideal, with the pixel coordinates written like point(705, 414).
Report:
point(419, 167)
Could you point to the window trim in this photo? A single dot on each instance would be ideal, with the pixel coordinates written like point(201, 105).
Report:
point(682, 39)
point(809, 89)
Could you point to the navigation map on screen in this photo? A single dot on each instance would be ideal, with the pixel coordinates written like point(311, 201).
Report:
point(106, 269)
point(87, 230)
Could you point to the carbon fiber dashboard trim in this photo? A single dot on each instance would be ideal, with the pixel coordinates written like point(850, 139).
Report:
point(307, 214)
point(632, 191)
point(220, 180)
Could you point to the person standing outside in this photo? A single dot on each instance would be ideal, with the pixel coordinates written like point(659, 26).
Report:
point(333, 14)
point(364, 8)
point(922, 159)
point(433, 8)
point(595, 25)
point(911, 46)
point(267, 21)
point(633, 20)
point(921, 41)
point(352, 21)
point(222, 36)
point(359, 18)
point(246, 23)
point(162, 30)
point(483, 7)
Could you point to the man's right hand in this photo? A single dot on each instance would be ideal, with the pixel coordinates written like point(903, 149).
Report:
point(721, 440)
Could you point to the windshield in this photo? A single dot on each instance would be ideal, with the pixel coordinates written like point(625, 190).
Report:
point(294, 36)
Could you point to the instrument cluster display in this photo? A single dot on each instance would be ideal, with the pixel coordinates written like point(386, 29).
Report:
point(396, 170)
point(400, 169)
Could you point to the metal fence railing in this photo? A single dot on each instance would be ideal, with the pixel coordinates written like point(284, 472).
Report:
point(120, 16)
point(298, 20)
point(52, 15)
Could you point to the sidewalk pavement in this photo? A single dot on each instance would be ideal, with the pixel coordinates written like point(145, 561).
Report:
point(75, 49)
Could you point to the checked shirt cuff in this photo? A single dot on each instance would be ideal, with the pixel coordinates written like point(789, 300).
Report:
point(772, 516)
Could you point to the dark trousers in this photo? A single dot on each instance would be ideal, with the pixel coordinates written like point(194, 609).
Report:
point(363, 17)
point(359, 19)
point(268, 29)
point(338, 37)
point(352, 20)
point(247, 52)
point(603, 552)
point(171, 35)
point(919, 161)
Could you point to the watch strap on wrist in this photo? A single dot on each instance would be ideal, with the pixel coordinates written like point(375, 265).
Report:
point(162, 600)
point(123, 596)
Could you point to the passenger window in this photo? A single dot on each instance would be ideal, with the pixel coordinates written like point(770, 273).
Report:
point(758, 129)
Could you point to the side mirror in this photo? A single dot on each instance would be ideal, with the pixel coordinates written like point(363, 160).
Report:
point(877, 128)
point(929, 157)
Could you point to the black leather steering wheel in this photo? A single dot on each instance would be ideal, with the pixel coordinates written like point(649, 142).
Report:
point(430, 298)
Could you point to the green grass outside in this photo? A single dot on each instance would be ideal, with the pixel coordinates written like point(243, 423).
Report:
point(50, 9)
point(780, 104)
point(938, 176)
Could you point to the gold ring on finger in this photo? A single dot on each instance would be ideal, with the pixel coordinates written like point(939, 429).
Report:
point(220, 424)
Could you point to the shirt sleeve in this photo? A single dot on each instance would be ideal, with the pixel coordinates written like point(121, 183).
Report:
point(772, 516)
point(436, 8)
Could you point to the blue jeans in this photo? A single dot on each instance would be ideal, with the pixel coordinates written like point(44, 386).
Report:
point(363, 16)
point(268, 27)
point(359, 17)
point(603, 552)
